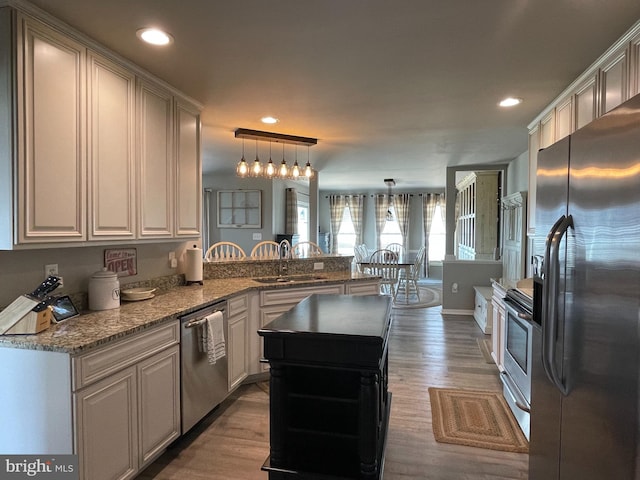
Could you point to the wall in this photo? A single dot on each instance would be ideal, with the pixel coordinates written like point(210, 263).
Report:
point(466, 274)
point(518, 174)
point(273, 207)
point(23, 270)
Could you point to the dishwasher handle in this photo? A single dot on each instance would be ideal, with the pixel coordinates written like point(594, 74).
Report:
point(199, 320)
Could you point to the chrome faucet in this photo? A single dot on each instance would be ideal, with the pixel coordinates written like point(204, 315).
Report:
point(284, 254)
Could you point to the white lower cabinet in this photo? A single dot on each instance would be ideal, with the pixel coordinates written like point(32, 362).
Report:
point(482, 312)
point(126, 419)
point(499, 331)
point(363, 288)
point(106, 420)
point(237, 339)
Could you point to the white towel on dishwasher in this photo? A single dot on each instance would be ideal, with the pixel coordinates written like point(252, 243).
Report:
point(214, 338)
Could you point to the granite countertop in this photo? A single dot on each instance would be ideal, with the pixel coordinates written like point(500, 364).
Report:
point(92, 329)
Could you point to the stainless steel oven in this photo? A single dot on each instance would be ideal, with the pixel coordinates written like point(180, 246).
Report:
point(518, 352)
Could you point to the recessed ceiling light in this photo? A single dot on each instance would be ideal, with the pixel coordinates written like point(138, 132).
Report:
point(510, 102)
point(154, 36)
point(269, 120)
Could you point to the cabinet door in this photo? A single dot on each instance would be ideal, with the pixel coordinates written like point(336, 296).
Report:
point(237, 338)
point(614, 81)
point(159, 399)
point(51, 150)
point(634, 67)
point(155, 162)
point(363, 288)
point(107, 428)
point(564, 118)
point(586, 101)
point(188, 171)
point(534, 146)
point(111, 155)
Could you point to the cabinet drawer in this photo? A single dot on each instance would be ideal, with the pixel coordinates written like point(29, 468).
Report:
point(295, 295)
point(363, 288)
point(237, 305)
point(104, 361)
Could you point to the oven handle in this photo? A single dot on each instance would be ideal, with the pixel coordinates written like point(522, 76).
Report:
point(549, 327)
point(515, 394)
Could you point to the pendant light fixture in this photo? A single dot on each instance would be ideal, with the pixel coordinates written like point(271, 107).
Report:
point(256, 168)
point(242, 169)
point(284, 170)
point(269, 170)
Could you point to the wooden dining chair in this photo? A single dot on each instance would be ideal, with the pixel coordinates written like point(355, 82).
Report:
point(409, 283)
point(384, 264)
point(267, 249)
point(305, 250)
point(224, 251)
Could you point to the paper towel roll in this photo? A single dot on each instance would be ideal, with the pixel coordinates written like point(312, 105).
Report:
point(193, 267)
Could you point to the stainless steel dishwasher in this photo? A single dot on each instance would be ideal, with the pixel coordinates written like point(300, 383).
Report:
point(204, 385)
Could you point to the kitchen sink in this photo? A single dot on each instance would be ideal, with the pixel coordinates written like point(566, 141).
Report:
point(289, 279)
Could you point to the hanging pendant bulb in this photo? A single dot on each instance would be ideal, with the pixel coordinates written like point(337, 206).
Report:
point(256, 168)
point(242, 168)
point(284, 170)
point(308, 171)
point(271, 169)
point(295, 170)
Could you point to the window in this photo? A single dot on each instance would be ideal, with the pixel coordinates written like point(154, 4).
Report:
point(303, 221)
point(346, 234)
point(437, 237)
point(391, 231)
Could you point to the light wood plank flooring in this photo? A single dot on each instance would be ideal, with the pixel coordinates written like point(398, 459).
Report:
point(425, 350)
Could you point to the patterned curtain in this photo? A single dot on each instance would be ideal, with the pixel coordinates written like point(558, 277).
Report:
point(291, 215)
point(337, 204)
point(356, 209)
point(429, 203)
point(401, 206)
point(381, 206)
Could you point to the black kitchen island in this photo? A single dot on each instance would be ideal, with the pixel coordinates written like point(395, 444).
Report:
point(329, 404)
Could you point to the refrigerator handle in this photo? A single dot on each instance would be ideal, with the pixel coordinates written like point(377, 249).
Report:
point(550, 326)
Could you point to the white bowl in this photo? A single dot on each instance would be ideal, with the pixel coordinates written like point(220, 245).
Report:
point(140, 293)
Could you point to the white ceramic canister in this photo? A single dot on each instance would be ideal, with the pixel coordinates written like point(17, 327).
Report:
point(104, 290)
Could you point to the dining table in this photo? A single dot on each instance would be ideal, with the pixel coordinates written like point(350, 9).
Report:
point(404, 264)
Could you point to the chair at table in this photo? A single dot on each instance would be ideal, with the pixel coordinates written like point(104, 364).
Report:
point(267, 249)
point(409, 283)
point(396, 247)
point(360, 254)
point(384, 264)
point(224, 251)
point(305, 250)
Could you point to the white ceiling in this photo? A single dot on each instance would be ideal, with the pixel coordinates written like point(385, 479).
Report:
point(391, 88)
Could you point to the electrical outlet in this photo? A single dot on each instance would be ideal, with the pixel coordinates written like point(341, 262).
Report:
point(454, 288)
point(257, 236)
point(174, 263)
point(318, 266)
point(61, 282)
point(51, 269)
point(172, 255)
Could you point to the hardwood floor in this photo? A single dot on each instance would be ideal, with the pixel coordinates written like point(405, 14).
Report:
point(425, 350)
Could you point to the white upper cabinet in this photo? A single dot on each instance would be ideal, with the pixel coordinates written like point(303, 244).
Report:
point(188, 170)
point(614, 80)
point(51, 149)
point(155, 161)
point(110, 144)
point(634, 66)
point(93, 149)
point(586, 102)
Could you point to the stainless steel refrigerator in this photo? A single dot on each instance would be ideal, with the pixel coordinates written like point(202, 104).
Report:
point(585, 372)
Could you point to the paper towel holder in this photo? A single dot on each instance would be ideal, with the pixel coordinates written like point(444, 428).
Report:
point(198, 277)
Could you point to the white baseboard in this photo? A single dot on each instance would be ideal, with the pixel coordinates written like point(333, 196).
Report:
point(449, 311)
